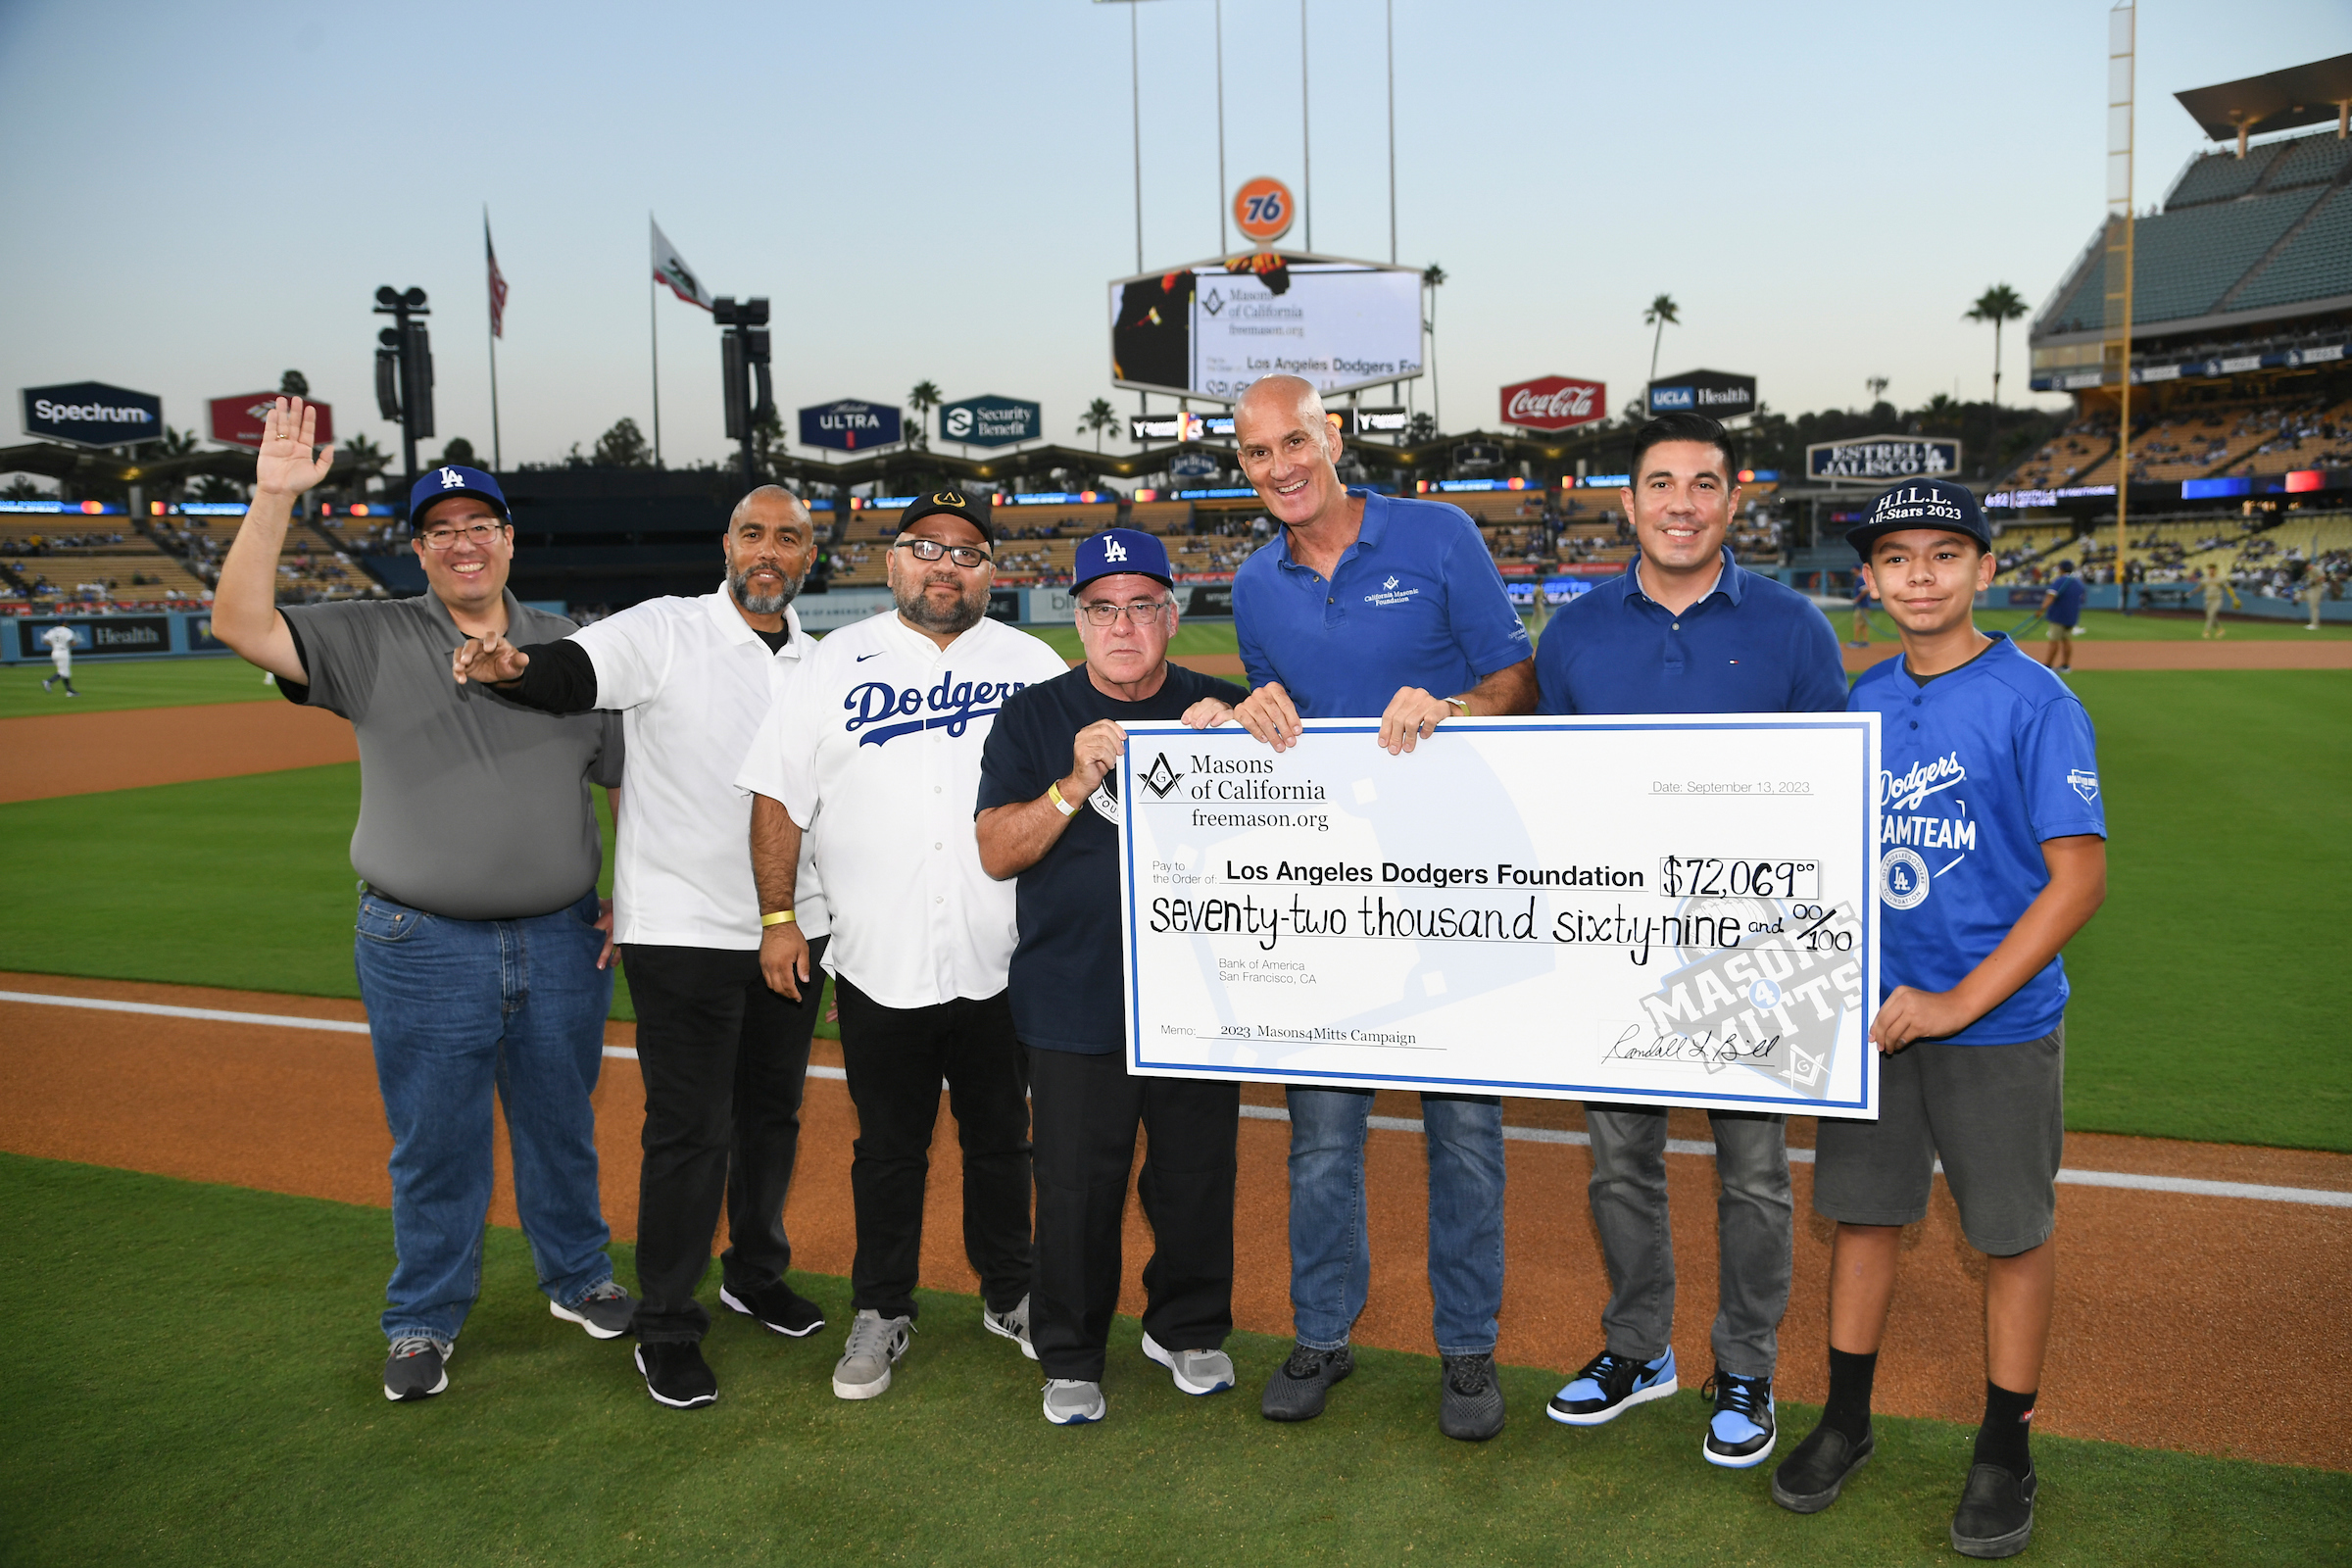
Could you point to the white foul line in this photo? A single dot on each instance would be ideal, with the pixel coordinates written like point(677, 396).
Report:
point(2189, 1185)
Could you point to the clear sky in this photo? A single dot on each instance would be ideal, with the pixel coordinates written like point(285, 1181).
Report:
point(199, 195)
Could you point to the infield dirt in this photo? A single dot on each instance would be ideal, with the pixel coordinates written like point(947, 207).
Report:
point(2164, 1299)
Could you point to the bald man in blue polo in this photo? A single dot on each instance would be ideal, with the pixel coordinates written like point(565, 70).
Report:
point(1370, 605)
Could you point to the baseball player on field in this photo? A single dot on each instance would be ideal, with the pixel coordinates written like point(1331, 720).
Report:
point(874, 756)
point(1992, 855)
point(60, 642)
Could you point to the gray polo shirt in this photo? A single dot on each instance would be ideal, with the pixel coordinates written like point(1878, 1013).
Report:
point(470, 805)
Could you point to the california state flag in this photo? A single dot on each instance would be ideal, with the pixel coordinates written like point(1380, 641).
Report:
point(670, 268)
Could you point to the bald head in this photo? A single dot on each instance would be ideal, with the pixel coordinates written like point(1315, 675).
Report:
point(764, 498)
point(1283, 396)
point(1290, 451)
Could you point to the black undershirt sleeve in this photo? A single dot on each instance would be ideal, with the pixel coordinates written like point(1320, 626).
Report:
point(560, 679)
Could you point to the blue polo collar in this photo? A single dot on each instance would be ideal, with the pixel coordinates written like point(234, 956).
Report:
point(1376, 522)
point(1732, 583)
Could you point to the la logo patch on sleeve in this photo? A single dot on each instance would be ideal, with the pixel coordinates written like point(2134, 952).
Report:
point(2086, 784)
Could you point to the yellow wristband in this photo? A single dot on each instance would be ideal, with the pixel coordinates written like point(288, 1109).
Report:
point(780, 917)
point(1053, 794)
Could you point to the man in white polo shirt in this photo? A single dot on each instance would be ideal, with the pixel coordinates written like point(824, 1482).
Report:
point(874, 756)
point(723, 1056)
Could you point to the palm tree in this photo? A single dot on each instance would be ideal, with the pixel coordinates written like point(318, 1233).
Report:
point(922, 399)
point(1877, 385)
point(1997, 304)
point(1100, 416)
point(1662, 314)
point(1433, 278)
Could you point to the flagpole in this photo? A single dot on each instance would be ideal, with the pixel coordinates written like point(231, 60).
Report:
point(653, 317)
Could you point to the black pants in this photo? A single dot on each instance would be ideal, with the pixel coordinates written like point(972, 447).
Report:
point(724, 1059)
point(1087, 1111)
point(896, 1058)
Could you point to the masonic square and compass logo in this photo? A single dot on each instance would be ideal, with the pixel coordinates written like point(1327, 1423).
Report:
point(1160, 778)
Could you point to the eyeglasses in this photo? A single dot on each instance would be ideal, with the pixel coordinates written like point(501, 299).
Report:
point(965, 556)
point(480, 533)
point(1102, 613)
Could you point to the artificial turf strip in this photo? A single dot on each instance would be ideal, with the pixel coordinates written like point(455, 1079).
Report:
point(2198, 1010)
point(112, 685)
point(197, 1381)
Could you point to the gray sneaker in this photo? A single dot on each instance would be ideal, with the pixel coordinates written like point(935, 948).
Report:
point(605, 1312)
point(876, 1344)
point(1072, 1403)
point(417, 1368)
point(1295, 1390)
point(1471, 1406)
point(1013, 1323)
point(1194, 1371)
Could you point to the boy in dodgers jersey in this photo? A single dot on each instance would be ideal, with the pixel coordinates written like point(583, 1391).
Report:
point(1992, 855)
point(876, 755)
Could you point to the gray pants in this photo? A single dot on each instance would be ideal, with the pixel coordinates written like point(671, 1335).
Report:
point(1753, 1224)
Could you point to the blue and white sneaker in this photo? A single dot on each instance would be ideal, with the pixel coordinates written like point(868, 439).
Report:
point(1609, 1386)
point(1740, 1433)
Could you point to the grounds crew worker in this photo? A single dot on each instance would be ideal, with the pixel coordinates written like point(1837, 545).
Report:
point(481, 949)
point(874, 756)
point(1368, 605)
point(1049, 817)
point(1688, 630)
point(724, 1056)
point(1972, 1019)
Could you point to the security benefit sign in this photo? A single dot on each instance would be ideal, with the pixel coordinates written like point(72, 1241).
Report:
point(1716, 393)
point(1209, 328)
point(989, 421)
point(1879, 459)
point(92, 413)
point(851, 425)
point(1672, 912)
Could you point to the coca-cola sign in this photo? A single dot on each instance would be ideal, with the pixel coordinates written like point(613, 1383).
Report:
point(1554, 403)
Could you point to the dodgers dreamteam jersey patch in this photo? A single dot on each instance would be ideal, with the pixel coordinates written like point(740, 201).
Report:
point(1979, 766)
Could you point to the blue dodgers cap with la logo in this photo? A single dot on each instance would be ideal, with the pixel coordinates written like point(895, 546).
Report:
point(1921, 503)
point(452, 480)
point(1117, 550)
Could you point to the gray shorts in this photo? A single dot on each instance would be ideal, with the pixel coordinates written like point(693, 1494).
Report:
point(1996, 1115)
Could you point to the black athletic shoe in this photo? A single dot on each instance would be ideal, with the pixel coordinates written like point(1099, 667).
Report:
point(605, 1312)
point(676, 1375)
point(1471, 1407)
point(776, 1305)
point(1741, 1431)
point(1809, 1480)
point(1995, 1516)
point(417, 1368)
point(1609, 1386)
point(1295, 1392)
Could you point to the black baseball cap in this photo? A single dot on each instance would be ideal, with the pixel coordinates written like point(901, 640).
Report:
point(1921, 503)
point(971, 509)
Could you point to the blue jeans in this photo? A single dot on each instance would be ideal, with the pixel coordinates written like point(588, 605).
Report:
point(457, 1008)
point(1331, 1250)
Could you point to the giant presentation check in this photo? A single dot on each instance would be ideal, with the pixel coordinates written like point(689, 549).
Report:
point(1661, 911)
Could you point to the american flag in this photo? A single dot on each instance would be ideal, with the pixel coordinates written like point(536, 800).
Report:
point(498, 285)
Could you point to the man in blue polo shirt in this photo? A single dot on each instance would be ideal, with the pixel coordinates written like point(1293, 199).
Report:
point(1687, 630)
point(1368, 606)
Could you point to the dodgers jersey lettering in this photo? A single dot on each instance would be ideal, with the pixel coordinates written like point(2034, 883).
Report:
point(1977, 767)
point(875, 752)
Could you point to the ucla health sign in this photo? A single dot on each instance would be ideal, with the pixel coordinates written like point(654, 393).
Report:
point(1715, 393)
point(92, 413)
point(849, 425)
point(990, 421)
point(1878, 459)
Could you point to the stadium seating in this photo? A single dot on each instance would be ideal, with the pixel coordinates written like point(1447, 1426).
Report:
point(2185, 262)
point(2305, 438)
point(2064, 456)
point(2220, 177)
point(1161, 517)
point(2317, 265)
point(2307, 160)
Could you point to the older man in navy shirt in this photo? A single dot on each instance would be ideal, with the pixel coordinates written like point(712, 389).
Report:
point(1371, 606)
point(1686, 630)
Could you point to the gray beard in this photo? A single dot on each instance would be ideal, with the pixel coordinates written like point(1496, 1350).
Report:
point(917, 608)
point(763, 603)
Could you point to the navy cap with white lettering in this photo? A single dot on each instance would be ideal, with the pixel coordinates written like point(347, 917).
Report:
point(1121, 550)
point(1936, 503)
point(452, 479)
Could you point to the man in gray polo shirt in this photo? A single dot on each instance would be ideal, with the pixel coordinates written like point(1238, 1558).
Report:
point(481, 945)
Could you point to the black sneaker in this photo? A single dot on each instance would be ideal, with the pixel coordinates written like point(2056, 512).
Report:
point(1295, 1392)
point(676, 1375)
point(1471, 1407)
point(605, 1312)
point(776, 1305)
point(1740, 1433)
point(1609, 1386)
point(1810, 1479)
point(417, 1368)
point(1995, 1516)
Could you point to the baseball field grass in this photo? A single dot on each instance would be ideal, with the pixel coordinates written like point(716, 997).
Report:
point(2199, 1010)
point(111, 686)
point(211, 1396)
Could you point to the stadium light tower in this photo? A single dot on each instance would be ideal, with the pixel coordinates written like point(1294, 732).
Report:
point(404, 371)
point(743, 353)
point(2120, 49)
